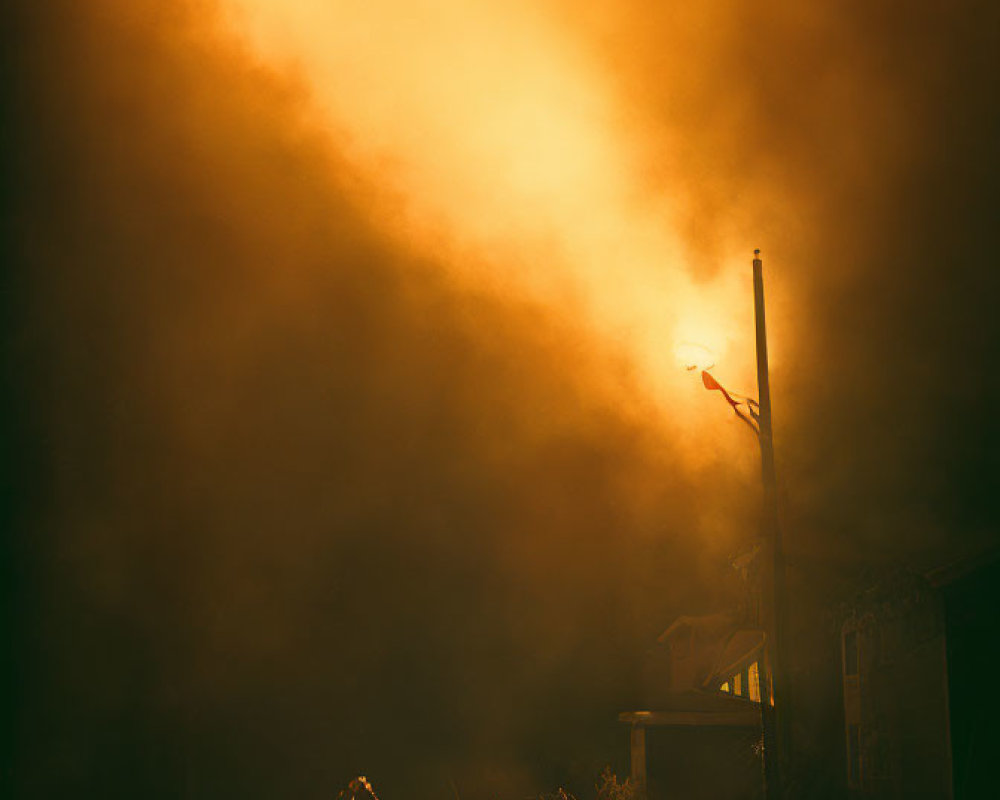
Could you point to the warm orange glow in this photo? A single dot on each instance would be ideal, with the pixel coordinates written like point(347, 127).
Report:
point(753, 681)
point(693, 356)
point(493, 141)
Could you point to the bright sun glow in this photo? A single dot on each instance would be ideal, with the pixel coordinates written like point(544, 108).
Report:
point(495, 144)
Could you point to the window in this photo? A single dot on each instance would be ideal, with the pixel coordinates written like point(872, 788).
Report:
point(851, 653)
point(724, 687)
point(753, 682)
point(738, 683)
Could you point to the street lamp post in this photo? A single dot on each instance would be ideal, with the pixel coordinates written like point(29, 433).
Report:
point(775, 605)
point(775, 696)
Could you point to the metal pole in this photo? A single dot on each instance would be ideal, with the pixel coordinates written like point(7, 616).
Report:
point(775, 717)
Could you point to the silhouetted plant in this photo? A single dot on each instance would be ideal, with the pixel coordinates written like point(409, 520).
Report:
point(609, 789)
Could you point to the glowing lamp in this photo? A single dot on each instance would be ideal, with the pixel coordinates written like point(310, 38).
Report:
point(693, 356)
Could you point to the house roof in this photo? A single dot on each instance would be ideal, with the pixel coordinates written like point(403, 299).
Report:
point(716, 642)
point(956, 570)
point(706, 626)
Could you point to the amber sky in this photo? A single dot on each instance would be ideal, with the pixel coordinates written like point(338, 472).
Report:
point(345, 430)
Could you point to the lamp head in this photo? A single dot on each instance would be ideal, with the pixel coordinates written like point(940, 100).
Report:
point(694, 356)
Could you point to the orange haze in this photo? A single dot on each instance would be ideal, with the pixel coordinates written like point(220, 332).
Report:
point(491, 140)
